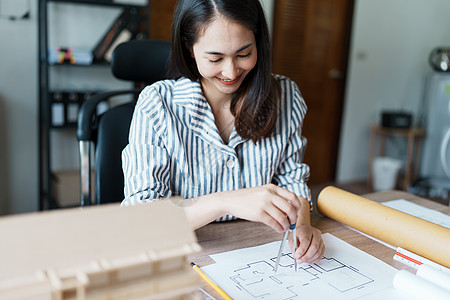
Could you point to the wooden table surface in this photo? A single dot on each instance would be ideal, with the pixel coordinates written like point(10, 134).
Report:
point(226, 236)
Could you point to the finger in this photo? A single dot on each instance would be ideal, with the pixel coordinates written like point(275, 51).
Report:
point(278, 215)
point(291, 243)
point(304, 241)
point(288, 196)
point(320, 253)
point(287, 209)
point(314, 254)
point(314, 250)
point(267, 219)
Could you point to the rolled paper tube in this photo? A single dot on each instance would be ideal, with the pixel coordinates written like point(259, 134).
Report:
point(387, 224)
point(418, 288)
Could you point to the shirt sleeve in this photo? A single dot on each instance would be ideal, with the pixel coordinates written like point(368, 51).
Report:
point(292, 173)
point(145, 161)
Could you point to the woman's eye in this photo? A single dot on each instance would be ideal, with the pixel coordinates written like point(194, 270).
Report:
point(244, 55)
point(215, 60)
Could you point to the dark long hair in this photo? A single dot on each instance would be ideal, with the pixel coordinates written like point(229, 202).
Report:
point(254, 105)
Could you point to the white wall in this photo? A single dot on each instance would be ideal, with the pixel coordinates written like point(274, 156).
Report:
point(391, 40)
point(18, 111)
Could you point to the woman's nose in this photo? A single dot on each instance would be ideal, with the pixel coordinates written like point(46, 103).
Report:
point(229, 70)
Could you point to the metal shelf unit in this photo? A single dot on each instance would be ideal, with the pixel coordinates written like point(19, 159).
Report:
point(46, 197)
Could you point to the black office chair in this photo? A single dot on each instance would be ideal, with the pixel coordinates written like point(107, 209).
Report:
point(143, 61)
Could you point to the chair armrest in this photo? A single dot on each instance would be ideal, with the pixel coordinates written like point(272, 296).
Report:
point(88, 109)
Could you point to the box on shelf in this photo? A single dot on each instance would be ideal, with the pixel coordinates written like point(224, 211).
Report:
point(67, 188)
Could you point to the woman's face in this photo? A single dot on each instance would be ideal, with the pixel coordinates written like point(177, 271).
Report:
point(225, 54)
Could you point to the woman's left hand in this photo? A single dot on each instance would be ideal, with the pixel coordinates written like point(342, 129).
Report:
point(310, 247)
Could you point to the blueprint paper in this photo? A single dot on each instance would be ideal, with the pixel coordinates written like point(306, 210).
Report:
point(344, 272)
point(419, 211)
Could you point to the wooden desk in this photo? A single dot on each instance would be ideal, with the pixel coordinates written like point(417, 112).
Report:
point(226, 236)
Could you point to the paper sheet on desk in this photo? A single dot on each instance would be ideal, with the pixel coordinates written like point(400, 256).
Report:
point(419, 211)
point(345, 272)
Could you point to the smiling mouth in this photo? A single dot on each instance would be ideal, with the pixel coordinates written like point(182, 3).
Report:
point(227, 81)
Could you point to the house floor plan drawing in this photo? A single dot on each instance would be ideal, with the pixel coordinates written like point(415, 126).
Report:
point(258, 278)
point(344, 272)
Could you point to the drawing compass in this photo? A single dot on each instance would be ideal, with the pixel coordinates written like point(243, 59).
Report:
point(280, 251)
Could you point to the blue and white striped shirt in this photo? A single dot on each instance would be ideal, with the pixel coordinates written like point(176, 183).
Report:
point(175, 147)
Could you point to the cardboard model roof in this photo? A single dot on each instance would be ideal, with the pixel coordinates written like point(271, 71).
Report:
point(74, 240)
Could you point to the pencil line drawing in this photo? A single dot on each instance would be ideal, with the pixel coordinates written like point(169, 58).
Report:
point(259, 281)
point(344, 272)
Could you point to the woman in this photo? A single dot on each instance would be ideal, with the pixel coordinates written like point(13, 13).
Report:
point(223, 131)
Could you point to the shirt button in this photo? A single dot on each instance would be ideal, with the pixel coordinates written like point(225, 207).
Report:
point(230, 164)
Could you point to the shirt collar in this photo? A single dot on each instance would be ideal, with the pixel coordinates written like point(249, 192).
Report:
point(189, 94)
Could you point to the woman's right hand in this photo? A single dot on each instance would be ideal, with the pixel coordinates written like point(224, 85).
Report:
point(268, 204)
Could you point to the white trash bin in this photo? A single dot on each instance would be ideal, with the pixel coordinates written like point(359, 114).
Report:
point(385, 172)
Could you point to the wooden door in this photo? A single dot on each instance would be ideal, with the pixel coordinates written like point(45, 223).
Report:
point(310, 45)
point(161, 15)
